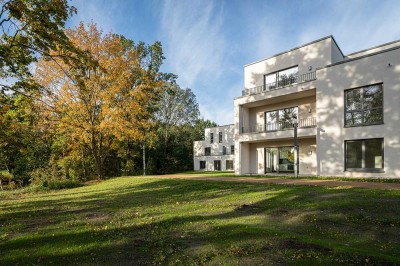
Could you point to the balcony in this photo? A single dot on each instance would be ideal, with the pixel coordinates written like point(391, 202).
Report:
point(282, 82)
point(279, 126)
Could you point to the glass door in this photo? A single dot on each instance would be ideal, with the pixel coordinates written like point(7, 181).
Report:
point(286, 159)
point(271, 160)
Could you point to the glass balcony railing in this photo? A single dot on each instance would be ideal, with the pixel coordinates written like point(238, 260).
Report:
point(293, 79)
point(283, 125)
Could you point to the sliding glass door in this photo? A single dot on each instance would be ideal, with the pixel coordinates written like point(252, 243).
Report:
point(279, 160)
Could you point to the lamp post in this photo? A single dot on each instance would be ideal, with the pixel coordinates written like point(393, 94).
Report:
point(296, 158)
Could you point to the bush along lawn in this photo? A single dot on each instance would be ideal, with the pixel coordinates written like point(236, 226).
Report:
point(135, 220)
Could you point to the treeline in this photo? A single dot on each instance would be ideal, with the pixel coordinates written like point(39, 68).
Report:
point(78, 104)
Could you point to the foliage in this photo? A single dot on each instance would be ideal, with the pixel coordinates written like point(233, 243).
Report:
point(31, 29)
point(186, 222)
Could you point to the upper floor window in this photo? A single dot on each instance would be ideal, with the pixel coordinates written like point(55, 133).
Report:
point(364, 106)
point(223, 150)
point(207, 151)
point(281, 78)
point(211, 137)
point(232, 149)
point(364, 155)
point(281, 119)
point(220, 137)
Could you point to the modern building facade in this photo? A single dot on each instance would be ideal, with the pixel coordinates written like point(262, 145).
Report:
point(346, 109)
point(216, 151)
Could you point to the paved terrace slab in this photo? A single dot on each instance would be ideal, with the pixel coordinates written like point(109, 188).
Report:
point(283, 181)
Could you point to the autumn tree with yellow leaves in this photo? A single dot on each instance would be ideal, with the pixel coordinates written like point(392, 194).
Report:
point(97, 102)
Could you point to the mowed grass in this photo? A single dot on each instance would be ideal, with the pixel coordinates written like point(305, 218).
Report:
point(142, 221)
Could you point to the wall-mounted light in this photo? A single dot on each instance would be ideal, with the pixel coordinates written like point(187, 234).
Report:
point(309, 68)
point(309, 110)
point(389, 65)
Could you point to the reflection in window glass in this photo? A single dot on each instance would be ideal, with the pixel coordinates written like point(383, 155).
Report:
point(373, 153)
point(354, 154)
point(364, 154)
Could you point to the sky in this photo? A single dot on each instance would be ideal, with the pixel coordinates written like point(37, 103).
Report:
point(208, 42)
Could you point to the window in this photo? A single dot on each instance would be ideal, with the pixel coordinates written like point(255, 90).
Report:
point(281, 119)
point(223, 150)
point(207, 151)
point(211, 137)
point(364, 155)
point(220, 137)
point(217, 165)
point(232, 149)
point(364, 106)
point(202, 165)
point(229, 164)
point(281, 78)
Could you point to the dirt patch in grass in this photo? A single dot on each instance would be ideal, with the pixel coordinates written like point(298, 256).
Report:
point(297, 244)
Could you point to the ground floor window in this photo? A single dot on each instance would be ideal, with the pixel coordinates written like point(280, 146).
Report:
point(364, 155)
point(202, 165)
point(229, 165)
point(279, 159)
point(217, 165)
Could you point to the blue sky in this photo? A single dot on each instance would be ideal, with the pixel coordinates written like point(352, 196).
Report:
point(207, 43)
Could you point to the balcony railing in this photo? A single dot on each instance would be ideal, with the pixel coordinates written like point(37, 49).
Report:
point(284, 125)
point(280, 83)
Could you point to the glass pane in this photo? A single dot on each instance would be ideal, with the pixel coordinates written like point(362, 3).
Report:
point(353, 118)
point(288, 76)
point(373, 97)
point(354, 154)
point(270, 81)
point(271, 120)
point(353, 100)
point(373, 153)
point(286, 159)
point(373, 116)
point(271, 159)
point(287, 117)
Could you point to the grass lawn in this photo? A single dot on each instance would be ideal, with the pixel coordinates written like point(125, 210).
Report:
point(136, 220)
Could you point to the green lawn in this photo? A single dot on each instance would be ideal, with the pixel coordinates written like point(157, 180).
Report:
point(135, 220)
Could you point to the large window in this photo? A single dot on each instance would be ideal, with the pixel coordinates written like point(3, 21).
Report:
point(281, 119)
point(202, 165)
point(364, 106)
point(281, 78)
point(364, 155)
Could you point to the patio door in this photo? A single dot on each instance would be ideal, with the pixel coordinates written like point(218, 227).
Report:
point(271, 160)
point(217, 165)
point(279, 160)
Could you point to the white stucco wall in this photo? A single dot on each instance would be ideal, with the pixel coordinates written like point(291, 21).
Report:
point(331, 84)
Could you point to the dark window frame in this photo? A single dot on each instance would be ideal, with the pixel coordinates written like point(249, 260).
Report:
point(362, 110)
point(226, 165)
point(211, 137)
point(277, 118)
point(220, 137)
point(232, 149)
point(202, 165)
point(366, 170)
point(207, 151)
point(277, 78)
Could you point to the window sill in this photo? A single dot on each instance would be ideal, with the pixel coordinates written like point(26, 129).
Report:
point(364, 171)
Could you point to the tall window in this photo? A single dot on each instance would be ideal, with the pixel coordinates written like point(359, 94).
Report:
point(207, 151)
point(202, 165)
point(364, 106)
point(232, 149)
point(211, 137)
point(281, 78)
point(220, 137)
point(223, 150)
point(364, 155)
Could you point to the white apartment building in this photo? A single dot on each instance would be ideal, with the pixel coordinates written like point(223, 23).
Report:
point(216, 151)
point(347, 108)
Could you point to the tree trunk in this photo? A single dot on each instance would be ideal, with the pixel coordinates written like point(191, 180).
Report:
point(144, 157)
point(97, 159)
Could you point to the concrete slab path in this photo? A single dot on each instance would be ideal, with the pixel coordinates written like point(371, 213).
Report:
point(283, 181)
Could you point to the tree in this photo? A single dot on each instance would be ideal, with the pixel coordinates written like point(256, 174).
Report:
point(95, 104)
point(31, 29)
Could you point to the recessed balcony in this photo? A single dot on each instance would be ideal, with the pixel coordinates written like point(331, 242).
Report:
point(281, 83)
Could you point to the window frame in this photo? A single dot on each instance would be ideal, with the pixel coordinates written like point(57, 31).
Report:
point(362, 103)
point(365, 170)
point(207, 153)
point(276, 73)
point(226, 165)
point(219, 137)
point(211, 137)
point(232, 149)
point(278, 121)
point(200, 164)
